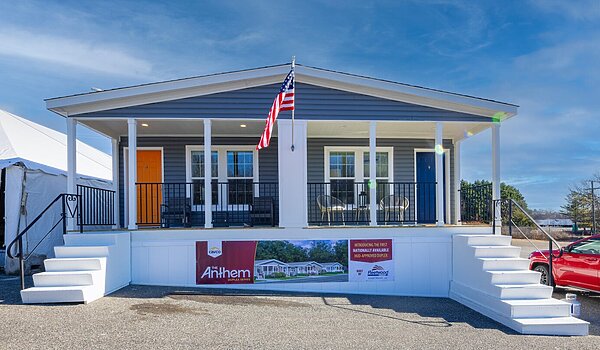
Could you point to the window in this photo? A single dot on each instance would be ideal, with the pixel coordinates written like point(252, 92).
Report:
point(590, 246)
point(240, 176)
point(234, 171)
point(197, 170)
point(381, 174)
point(349, 180)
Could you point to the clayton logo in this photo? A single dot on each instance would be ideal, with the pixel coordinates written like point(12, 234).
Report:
point(215, 248)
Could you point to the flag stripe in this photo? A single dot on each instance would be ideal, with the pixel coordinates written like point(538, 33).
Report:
point(284, 101)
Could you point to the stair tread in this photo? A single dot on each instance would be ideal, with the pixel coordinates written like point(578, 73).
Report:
point(69, 272)
point(55, 288)
point(512, 272)
point(564, 320)
point(76, 259)
point(524, 285)
point(536, 302)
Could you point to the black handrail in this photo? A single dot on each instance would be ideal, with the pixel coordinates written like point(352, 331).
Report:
point(67, 211)
point(510, 204)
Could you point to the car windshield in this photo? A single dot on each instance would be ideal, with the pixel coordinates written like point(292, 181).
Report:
point(590, 246)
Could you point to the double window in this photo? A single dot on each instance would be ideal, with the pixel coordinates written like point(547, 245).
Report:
point(233, 170)
point(347, 169)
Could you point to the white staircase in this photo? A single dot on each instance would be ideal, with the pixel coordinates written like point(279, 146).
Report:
point(491, 278)
point(86, 268)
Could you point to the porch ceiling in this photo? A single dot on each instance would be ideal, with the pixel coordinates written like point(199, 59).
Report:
point(452, 130)
point(254, 128)
point(179, 127)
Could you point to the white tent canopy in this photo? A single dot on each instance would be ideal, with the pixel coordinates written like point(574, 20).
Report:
point(35, 161)
point(39, 147)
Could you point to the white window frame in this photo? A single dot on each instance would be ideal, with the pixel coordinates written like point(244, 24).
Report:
point(222, 171)
point(359, 152)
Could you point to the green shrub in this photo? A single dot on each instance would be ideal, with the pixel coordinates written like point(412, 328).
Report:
point(277, 275)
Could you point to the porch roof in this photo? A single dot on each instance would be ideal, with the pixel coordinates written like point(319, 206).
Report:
point(223, 82)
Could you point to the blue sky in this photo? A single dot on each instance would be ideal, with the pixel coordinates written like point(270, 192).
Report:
point(541, 55)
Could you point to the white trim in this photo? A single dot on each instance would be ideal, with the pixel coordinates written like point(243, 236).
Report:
point(359, 160)
point(200, 86)
point(126, 172)
point(446, 177)
point(457, 178)
point(115, 180)
point(71, 163)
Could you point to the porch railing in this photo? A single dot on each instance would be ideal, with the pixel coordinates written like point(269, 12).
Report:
point(476, 204)
point(237, 202)
point(97, 206)
point(343, 202)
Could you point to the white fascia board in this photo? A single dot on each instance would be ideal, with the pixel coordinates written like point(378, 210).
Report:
point(184, 88)
point(165, 91)
point(403, 93)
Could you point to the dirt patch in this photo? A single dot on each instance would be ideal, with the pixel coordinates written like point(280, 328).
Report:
point(164, 309)
point(238, 300)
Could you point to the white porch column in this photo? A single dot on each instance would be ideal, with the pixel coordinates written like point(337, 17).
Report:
point(373, 173)
point(457, 183)
point(439, 173)
point(71, 163)
point(293, 176)
point(132, 173)
point(207, 174)
point(115, 180)
point(496, 173)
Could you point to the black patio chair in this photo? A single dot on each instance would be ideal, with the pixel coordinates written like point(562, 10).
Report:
point(262, 211)
point(176, 211)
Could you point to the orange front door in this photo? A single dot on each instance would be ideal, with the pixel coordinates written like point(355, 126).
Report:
point(149, 188)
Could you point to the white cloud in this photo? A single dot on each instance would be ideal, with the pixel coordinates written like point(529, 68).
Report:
point(73, 53)
point(579, 10)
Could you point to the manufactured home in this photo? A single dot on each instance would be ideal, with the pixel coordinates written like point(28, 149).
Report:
point(367, 168)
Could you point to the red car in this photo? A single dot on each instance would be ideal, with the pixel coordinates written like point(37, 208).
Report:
point(578, 266)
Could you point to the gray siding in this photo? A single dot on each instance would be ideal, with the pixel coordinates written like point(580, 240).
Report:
point(174, 158)
point(312, 103)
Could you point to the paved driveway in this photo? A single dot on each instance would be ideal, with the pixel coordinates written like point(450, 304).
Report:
point(139, 317)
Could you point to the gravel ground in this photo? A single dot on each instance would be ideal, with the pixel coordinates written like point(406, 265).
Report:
point(140, 317)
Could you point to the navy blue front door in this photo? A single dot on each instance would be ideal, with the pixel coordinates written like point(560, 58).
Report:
point(426, 187)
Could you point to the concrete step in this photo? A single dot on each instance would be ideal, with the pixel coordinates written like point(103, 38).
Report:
point(64, 294)
point(74, 264)
point(513, 277)
point(82, 251)
point(520, 291)
point(485, 240)
point(67, 278)
point(553, 326)
point(495, 251)
point(506, 264)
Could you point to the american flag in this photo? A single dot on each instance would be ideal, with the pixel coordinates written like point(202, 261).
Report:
point(283, 102)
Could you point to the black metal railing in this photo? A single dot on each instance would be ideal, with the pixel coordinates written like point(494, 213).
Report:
point(237, 202)
point(97, 206)
point(344, 202)
point(508, 212)
point(476, 204)
point(70, 205)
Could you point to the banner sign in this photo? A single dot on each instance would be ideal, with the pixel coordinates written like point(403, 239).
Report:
point(297, 261)
point(371, 260)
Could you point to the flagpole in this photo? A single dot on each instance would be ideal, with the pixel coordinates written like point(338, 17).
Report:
point(293, 110)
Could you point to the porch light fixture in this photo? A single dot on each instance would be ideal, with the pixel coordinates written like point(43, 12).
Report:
point(144, 125)
point(242, 125)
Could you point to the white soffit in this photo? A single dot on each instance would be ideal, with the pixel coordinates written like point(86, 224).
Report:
point(211, 84)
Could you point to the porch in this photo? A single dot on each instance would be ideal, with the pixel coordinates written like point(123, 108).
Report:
point(361, 151)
